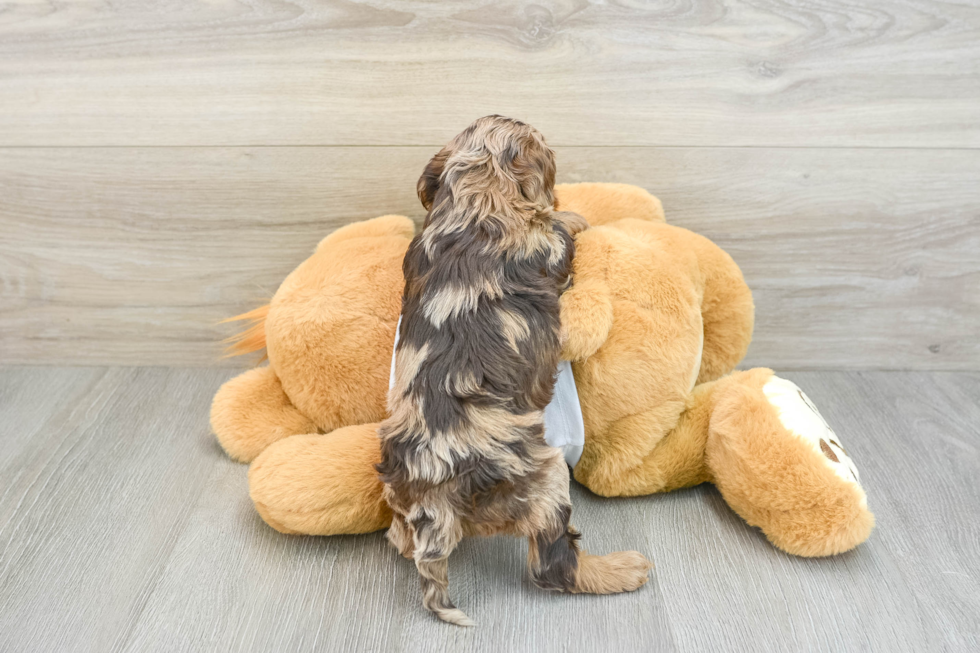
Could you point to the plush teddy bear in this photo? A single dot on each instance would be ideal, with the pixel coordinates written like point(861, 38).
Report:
point(657, 318)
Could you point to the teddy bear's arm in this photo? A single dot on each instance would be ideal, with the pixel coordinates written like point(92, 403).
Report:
point(251, 411)
point(586, 307)
point(727, 310)
point(386, 225)
point(586, 317)
point(602, 203)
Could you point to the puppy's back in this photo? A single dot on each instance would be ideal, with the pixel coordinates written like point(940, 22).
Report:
point(477, 353)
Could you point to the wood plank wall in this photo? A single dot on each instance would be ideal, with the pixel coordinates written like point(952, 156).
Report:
point(165, 165)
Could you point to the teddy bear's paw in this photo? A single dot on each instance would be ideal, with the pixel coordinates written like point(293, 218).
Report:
point(798, 414)
point(586, 318)
point(268, 517)
point(623, 571)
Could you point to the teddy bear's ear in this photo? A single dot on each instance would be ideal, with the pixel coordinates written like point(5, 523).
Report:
point(429, 182)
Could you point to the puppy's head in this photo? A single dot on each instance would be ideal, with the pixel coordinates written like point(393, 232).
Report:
point(497, 166)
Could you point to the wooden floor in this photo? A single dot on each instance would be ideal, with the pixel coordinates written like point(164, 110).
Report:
point(123, 527)
point(164, 165)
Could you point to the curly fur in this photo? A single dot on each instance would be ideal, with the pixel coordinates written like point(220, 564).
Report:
point(463, 450)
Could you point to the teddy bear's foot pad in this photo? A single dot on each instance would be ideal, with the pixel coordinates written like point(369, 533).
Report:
point(800, 416)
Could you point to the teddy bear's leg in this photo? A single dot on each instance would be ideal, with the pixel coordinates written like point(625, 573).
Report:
point(321, 484)
point(782, 468)
point(636, 457)
point(251, 411)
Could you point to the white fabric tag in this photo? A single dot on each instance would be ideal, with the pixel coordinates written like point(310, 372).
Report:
point(563, 425)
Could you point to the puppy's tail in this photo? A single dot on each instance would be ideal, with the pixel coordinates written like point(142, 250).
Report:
point(435, 591)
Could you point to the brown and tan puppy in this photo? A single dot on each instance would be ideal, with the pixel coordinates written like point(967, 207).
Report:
point(463, 451)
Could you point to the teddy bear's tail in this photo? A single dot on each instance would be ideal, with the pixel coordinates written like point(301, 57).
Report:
point(252, 338)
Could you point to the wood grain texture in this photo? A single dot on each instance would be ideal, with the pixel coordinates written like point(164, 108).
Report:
point(339, 72)
point(94, 497)
point(858, 258)
point(911, 587)
point(124, 528)
point(356, 593)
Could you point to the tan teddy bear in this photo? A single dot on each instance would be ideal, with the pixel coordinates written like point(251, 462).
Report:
point(657, 318)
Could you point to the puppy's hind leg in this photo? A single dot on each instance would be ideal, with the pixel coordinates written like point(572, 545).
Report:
point(556, 563)
point(400, 535)
point(623, 571)
point(436, 534)
point(553, 555)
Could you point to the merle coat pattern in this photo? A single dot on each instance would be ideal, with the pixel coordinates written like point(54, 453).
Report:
point(463, 450)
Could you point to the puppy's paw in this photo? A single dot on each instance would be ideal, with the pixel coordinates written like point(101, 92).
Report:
point(623, 571)
point(631, 568)
point(573, 222)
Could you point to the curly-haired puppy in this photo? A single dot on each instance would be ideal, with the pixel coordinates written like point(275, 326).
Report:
point(463, 451)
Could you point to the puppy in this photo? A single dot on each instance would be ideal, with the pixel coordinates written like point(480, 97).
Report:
point(463, 450)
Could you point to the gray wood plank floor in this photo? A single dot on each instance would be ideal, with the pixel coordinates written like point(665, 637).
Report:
point(124, 528)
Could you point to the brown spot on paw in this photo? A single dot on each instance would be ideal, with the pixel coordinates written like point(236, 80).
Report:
point(838, 445)
point(827, 451)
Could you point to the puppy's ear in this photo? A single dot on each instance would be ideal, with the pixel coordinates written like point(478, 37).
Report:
point(428, 184)
point(535, 172)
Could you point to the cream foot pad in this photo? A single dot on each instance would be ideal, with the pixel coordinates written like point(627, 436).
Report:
point(800, 416)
